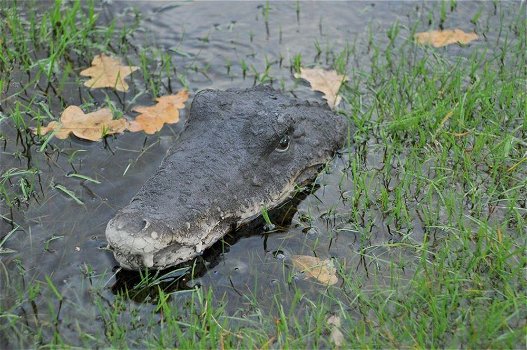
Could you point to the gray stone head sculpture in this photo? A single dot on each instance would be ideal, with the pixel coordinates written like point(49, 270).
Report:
point(241, 151)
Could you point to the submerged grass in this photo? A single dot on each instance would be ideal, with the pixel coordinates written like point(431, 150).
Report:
point(439, 153)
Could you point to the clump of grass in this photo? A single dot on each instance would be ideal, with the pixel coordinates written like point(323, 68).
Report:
point(17, 186)
point(296, 63)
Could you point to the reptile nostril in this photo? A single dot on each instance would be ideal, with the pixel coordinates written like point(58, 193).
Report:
point(132, 224)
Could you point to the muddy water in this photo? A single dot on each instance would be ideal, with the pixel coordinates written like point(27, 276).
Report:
point(208, 41)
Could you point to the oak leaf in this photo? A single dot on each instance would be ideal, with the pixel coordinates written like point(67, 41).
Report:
point(154, 117)
point(322, 270)
point(107, 72)
point(326, 81)
point(92, 126)
point(440, 38)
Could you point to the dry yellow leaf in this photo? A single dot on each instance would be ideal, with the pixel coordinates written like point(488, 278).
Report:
point(440, 38)
point(154, 117)
point(322, 270)
point(92, 126)
point(326, 81)
point(107, 72)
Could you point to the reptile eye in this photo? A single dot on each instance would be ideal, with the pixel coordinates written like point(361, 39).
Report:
point(283, 145)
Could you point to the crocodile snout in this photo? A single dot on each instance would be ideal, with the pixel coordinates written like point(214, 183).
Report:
point(135, 237)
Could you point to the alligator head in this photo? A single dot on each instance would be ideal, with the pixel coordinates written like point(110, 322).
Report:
point(241, 151)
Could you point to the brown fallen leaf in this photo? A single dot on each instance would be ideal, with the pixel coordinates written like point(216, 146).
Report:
point(326, 81)
point(92, 126)
point(336, 335)
point(440, 38)
point(322, 270)
point(107, 72)
point(154, 117)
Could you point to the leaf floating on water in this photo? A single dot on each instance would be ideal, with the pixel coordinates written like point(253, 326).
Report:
point(154, 117)
point(322, 270)
point(326, 81)
point(107, 72)
point(440, 38)
point(92, 126)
